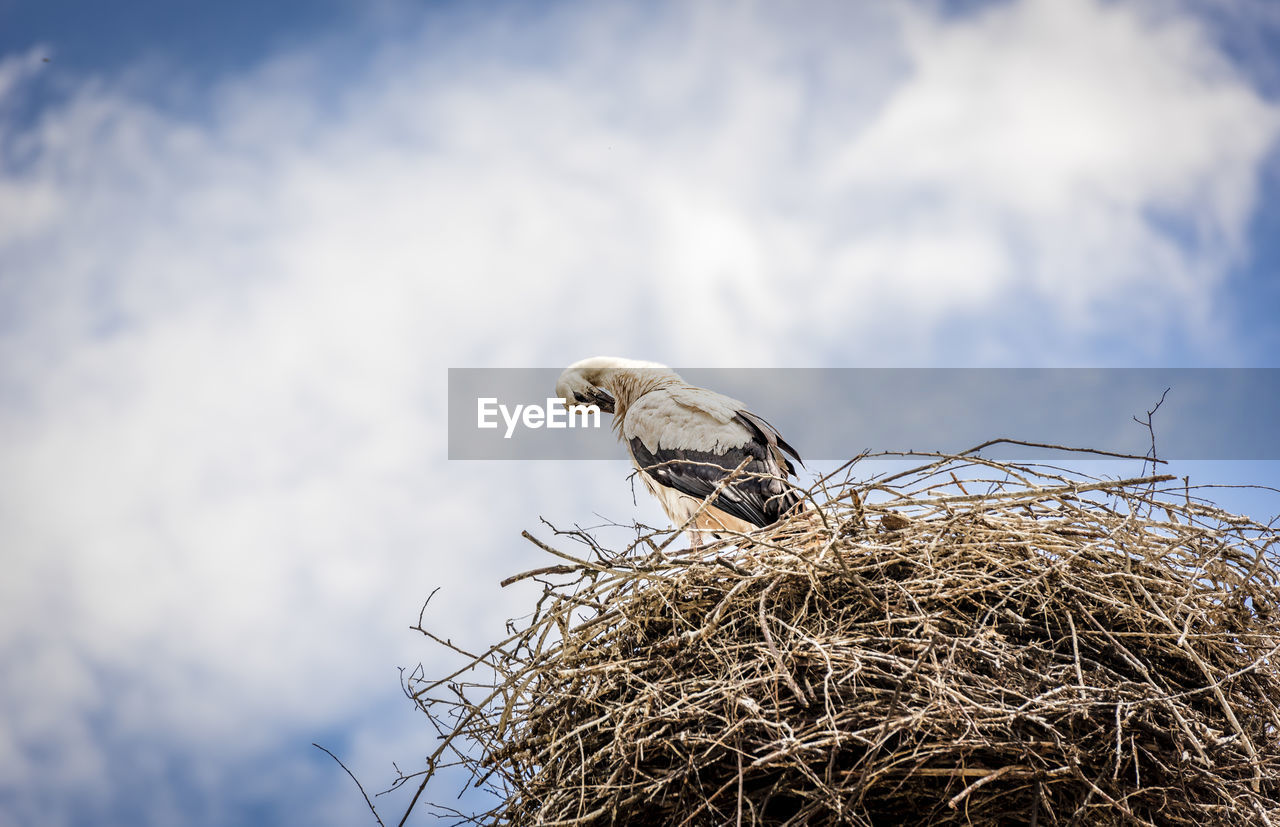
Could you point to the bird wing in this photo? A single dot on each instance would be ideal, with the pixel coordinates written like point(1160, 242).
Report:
point(691, 439)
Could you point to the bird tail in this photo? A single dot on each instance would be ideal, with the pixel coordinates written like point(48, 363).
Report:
point(782, 505)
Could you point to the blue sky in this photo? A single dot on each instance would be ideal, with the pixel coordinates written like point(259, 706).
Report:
point(240, 245)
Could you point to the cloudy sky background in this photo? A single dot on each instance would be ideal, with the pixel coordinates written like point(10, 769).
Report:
point(239, 249)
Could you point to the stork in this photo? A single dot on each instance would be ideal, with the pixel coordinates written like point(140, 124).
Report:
point(687, 443)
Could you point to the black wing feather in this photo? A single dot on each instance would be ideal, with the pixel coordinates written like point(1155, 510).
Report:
point(756, 496)
point(757, 426)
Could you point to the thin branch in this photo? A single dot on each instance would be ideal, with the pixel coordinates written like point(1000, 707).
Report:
point(359, 786)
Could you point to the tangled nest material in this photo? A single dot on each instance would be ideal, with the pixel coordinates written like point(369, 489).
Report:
point(969, 642)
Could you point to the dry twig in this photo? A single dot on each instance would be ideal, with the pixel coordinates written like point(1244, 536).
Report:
point(1045, 652)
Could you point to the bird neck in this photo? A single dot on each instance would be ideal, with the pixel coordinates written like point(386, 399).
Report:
point(628, 386)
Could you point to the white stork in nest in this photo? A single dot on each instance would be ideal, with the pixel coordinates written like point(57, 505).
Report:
point(687, 443)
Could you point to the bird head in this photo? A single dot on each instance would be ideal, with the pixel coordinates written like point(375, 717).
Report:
point(593, 381)
point(575, 390)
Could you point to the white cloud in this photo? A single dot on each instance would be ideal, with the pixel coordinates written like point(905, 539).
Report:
point(223, 332)
point(17, 69)
point(1064, 140)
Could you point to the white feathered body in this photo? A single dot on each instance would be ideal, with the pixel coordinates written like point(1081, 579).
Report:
point(686, 443)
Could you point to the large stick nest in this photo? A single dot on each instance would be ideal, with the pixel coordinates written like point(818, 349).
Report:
point(968, 642)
